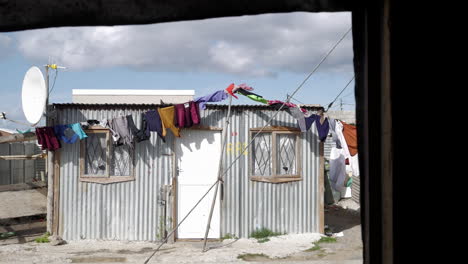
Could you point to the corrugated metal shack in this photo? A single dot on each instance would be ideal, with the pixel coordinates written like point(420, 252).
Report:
point(146, 208)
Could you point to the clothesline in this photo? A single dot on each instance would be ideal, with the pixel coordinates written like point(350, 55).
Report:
point(174, 117)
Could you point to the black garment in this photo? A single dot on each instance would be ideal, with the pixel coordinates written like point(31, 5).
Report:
point(92, 122)
point(153, 123)
point(244, 92)
point(278, 105)
point(138, 135)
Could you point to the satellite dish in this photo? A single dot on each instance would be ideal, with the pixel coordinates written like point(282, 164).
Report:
point(34, 95)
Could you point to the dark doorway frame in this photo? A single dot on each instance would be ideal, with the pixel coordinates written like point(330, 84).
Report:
point(375, 35)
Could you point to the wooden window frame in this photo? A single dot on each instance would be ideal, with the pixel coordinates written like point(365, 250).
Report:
point(274, 177)
point(103, 179)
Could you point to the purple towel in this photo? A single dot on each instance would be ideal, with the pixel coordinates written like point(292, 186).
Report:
point(215, 97)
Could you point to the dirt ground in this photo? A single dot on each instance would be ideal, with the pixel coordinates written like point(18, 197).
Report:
point(22, 229)
point(282, 249)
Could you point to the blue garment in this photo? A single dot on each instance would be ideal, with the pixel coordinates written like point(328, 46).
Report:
point(215, 97)
point(309, 120)
point(78, 130)
point(66, 133)
point(154, 123)
point(322, 128)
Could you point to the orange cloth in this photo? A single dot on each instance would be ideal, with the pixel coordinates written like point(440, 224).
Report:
point(229, 90)
point(350, 135)
point(167, 115)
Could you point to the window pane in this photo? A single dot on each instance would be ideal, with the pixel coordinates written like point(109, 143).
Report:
point(262, 155)
point(121, 161)
point(286, 156)
point(95, 154)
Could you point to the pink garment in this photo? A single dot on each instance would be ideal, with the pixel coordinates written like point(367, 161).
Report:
point(194, 112)
point(270, 102)
point(180, 115)
point(243, 87)
point(187, 114)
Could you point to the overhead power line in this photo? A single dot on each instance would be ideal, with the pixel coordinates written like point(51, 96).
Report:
point(330, 105)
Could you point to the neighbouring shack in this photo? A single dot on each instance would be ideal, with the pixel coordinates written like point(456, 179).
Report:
point(141, 192)
point(21, 159)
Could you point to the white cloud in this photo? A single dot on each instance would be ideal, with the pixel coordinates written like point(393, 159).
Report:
point(260, 45)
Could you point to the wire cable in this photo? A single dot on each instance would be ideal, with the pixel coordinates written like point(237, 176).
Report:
point(253, 139)
point(177, 226)
point(55, 79)
point(329, 105)
point(320, 63)
point(228, 118)
point(295, 99)
point(3, 117)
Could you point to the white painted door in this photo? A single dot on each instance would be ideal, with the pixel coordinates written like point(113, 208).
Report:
point(198, 154)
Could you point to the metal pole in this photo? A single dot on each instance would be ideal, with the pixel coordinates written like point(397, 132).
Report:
point(220, 174)
point(50, 165)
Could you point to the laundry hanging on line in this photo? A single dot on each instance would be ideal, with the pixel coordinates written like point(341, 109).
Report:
point(47, 139)
point(179, 116)
point(187, 115)
point(167, 115)
point(217, 96)
point(253, 96)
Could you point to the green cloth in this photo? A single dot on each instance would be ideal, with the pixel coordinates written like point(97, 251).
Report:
point(22, 132)
point(257, 98)
point(350, 181)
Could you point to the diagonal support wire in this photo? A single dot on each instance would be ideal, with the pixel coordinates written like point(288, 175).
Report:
point(199, 201)
point(220, 175)
point(250, 143)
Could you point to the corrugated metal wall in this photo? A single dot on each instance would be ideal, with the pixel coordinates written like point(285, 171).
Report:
point(21, 171)
point(356, 189)
point(130, 210)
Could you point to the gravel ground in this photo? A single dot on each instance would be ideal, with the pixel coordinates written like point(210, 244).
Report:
point(282, 249)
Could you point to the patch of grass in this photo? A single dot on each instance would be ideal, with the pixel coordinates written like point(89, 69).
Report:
point(322, 240)
point(229, 236)
point(262, 235)
point(314, 248)
point(249, 256)
point(263, 240)
point(327, 240)
point(43, 239)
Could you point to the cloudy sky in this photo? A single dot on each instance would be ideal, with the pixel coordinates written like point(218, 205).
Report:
point(273, 53)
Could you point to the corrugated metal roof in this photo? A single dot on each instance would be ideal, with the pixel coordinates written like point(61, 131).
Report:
point(130, 92)
point(140, 106)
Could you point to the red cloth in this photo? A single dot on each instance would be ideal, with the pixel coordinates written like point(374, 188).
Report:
point(47, 139)
point(229, 90)
point(187, 114)
point(179, 115)
point(194, 112)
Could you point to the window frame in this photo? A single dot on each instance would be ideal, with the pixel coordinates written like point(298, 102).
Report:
point(107, 178)
point(275, 177)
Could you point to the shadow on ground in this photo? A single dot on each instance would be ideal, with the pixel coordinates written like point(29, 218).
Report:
point(339, 219)
point(22, 229)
